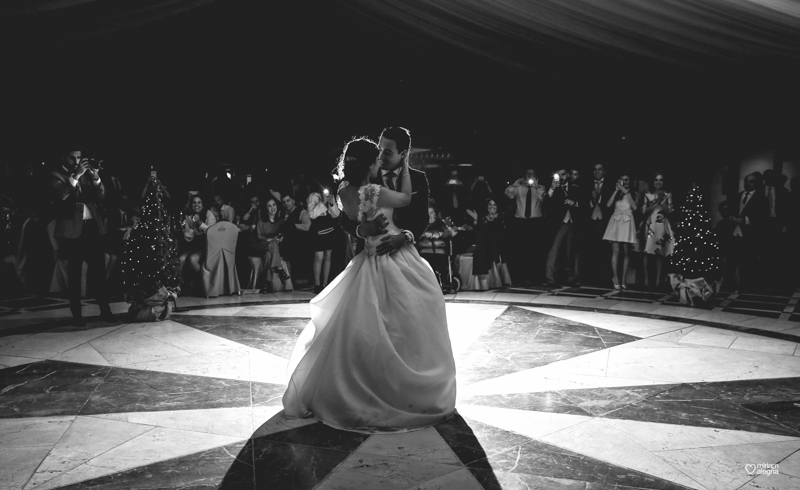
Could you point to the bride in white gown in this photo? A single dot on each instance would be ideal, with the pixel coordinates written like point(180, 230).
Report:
point(376, 355)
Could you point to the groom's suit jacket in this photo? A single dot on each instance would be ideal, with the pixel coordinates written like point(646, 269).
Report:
point(413, 217)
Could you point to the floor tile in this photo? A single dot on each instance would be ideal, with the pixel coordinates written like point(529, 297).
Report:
point(153, 446)
point(221, 467)
point(85, 439)
point(723, 468)
point(19, 464)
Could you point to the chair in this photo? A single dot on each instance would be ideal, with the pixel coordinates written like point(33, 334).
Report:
point(219, 268)
point(498, 275)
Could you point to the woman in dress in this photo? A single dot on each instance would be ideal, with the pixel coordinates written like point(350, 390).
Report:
point(657, 238)
point(621, 230)
point(192, 243)
point(323, 236)
point(266, 245)
point(376, 355)
point(486, 257)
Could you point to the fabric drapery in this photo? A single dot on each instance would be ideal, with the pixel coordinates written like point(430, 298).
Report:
point(539, 33)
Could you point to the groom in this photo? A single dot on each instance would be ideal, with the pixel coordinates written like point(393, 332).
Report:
point(395, 144)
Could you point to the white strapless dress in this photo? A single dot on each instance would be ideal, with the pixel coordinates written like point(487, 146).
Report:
point(376, 355)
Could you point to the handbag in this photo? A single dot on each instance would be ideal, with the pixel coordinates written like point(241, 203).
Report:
point(156, 308)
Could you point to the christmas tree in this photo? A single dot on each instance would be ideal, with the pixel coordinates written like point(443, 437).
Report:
point(697, 252)
point(151, 260)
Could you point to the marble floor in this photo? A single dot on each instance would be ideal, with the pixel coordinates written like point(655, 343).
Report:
point(554, 391)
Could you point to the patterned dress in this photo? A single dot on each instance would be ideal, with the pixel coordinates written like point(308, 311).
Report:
point(657, 236)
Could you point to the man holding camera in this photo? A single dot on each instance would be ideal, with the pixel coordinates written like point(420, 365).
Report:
point(528, 229)
point(77, 191)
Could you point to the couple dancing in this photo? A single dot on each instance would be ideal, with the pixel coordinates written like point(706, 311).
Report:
point(376, 355)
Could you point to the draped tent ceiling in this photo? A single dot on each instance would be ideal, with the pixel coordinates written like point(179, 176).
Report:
point(691, 76)
point(527, 33)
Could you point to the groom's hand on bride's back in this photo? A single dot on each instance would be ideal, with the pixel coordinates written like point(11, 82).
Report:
point(391, 244)
point(374, 227)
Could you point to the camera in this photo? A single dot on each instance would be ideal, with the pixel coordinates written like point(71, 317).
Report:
point(530, 182)
point(94, 163)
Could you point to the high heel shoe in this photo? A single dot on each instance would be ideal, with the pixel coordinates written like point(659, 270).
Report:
point(281, 273)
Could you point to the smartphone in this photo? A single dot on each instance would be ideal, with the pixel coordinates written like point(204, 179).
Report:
point(556, 177)
point(325, 192)
point(480, 177)
point(153, 174)
point(249, 178)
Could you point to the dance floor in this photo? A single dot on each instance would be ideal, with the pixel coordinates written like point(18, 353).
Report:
point(553, 392)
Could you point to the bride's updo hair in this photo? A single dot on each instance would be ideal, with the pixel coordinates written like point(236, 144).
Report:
point(357, 156)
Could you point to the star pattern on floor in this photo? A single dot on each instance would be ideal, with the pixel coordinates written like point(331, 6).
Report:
point(548, 398)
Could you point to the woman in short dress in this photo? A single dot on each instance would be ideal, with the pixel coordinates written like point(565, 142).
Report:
point(323, 236)
point(621, 230)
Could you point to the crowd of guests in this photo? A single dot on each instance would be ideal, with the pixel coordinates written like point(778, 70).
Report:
point(565, 229)
point(560, 229)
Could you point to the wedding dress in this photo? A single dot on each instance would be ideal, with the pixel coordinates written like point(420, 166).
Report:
point(376, 355)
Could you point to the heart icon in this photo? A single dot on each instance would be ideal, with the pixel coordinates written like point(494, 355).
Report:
point(750, 468)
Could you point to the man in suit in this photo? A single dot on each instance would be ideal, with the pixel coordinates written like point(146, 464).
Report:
point(595, 263)
point(774, 238)
point(749, 214)
point(564, 208)
point(527, 228)
point(80, 225)
point(395, 144)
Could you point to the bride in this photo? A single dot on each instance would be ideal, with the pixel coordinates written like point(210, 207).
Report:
point(376, 355)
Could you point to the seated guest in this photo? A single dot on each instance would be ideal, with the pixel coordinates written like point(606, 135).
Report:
point(295, 233)
point(489, 225)
point(434, 236)
point(224, 209)
point(323, 226)
point(266, 244)
point(191, 243)
point(433, 242)
point(252, 216)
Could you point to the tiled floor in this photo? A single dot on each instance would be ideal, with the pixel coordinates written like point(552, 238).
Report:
point(578, 390)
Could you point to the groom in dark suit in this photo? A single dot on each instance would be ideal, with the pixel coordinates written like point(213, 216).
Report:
point(395, 144)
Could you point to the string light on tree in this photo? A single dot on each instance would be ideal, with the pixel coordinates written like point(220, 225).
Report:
point(151, 260)
point(697, 253)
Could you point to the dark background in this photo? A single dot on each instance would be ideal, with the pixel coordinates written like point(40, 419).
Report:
point(281, 85)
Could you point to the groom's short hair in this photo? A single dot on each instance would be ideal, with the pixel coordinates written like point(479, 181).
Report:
point(400, 135)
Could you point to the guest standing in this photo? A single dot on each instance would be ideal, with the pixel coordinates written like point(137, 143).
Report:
point(80, 225)
point(322, 214)
point(658, 240)
point(489, 227)
point(621, 230)
point(528, 227)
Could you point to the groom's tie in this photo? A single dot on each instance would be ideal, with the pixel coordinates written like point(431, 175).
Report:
point(390, 180)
